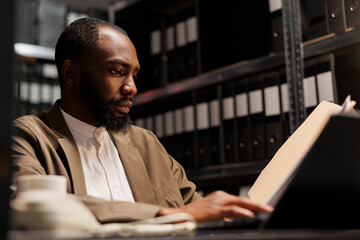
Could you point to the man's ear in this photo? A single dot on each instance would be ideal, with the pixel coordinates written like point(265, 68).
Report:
point(69, 72)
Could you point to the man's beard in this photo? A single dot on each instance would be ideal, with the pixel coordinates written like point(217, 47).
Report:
point(103, 114)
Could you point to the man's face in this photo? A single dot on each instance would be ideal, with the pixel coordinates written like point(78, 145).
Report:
point(107, 79)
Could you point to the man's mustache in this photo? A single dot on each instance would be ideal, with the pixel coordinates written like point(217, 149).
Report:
point(116, 101)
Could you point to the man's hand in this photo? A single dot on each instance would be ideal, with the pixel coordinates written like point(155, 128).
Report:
point(219, 205)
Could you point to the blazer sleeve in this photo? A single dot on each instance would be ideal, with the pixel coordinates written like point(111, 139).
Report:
point(33, 156)
point(187, 188)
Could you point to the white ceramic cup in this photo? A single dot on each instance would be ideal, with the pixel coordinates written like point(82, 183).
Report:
point(53, 183)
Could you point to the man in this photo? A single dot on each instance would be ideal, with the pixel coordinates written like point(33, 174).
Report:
point(121, 172)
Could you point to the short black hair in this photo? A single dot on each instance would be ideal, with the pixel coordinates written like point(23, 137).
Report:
point(77, 38)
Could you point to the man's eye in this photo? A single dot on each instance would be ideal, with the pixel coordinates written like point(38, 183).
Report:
point(135, 77)
point(116, 72)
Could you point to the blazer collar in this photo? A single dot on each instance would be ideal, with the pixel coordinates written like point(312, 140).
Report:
point(58, 125)
point(135, 169)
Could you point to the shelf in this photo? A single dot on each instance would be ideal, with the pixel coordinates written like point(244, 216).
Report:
point(242, 69)
point(331, 42)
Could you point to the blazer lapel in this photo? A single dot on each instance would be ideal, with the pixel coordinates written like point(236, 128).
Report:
point(67, 142)
point(135, 170)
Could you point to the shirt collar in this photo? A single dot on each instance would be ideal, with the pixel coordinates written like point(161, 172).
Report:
point(83, 128)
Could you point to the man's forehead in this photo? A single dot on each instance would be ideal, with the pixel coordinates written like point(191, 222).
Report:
point(113, 45)
point(110, 31)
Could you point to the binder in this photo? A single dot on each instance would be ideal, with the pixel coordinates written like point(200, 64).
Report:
point(49, 78)
point(56, 91)
point(352, 13)
point(24, 97)
point(181, 50)
point(315, 22)
point(336, 15)
point(325, 78)
point(229, 125)
point(169, 139)
point(274, 133)
point(310, 86)
point(156, 55)
point(215, 137)
point(244, 146)
point(149, 123)
point(257, 117)
point(170, 52)
point(277, 36)
point(203, 145)
point(189, 131)
point(192, 44)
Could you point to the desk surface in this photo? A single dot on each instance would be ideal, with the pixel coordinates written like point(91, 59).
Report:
point(218, 234)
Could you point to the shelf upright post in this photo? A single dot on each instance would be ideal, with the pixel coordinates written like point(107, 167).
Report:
point(7, 20)
point(294, 57)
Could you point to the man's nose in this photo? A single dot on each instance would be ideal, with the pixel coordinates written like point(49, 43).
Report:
point(129, 88)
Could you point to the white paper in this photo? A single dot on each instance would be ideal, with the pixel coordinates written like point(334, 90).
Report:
point(155, 41)
point(202, 115)
point(325, 86)
point(241, 105)
point(272, 101)
point(309, 87)
point(256, 101)
point(214, 113)
point(228, 108)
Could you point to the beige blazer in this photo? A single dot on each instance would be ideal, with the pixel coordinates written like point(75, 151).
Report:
point(44, 145)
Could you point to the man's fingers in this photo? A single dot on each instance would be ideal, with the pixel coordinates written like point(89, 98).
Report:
point(236, 211)
point(229, 200)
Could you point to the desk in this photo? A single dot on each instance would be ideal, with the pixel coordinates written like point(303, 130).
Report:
point(219, 234)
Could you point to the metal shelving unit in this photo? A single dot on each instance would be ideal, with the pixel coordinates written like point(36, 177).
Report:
point(311, 49)
point(291, 58)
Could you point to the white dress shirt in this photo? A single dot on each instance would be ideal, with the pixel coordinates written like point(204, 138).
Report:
point(103, 171)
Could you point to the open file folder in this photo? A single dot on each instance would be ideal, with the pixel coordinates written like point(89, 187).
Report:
point(314, 179)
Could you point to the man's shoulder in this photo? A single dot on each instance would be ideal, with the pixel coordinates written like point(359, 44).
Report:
point(139, 132)
point(140, 136)
point(30, 121)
